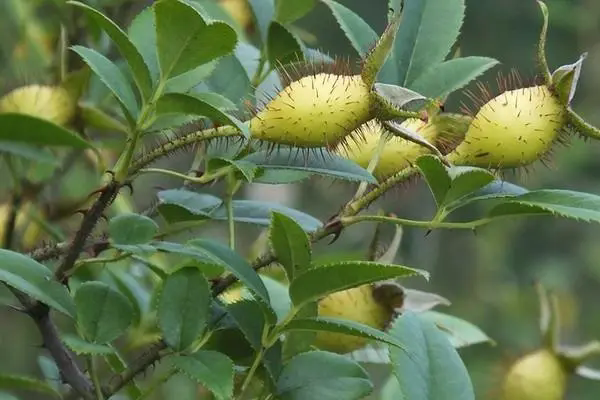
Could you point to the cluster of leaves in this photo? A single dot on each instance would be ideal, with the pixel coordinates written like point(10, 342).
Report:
point(182, 62)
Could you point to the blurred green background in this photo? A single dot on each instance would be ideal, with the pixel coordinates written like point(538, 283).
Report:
point(489, 275)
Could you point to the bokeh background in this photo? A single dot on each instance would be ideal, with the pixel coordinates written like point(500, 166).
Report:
point(489, 275)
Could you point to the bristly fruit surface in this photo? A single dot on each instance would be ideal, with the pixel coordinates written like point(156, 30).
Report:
point(397, 153)
point(52, 103)
point(513, 129)
point(315, 111)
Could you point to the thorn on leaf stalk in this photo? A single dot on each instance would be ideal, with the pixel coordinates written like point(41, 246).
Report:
point(82, 211)
point(333, 227)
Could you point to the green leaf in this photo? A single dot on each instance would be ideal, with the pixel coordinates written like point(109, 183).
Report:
point(189, 104)
point(185, 40)
point(20, 382)
point(460, 333)
point(244, 170)
point(428, 30)
point(142, 33)
point(305, 378)
point(211, 369)
point(26, 128)
point(29, 276)
point(428, 368)
point(80, 346)
point(282, 46)
point(565, 79)
point(280, 176)
point(492, 191)
point(112, 77)
point(377, 56)
point(563, 203)
point(436, 175)
point(237, 265)
point(419, 301)
point(134, 59)
point(183, 307)
point(288, 11)
point(29, 152)
point(338, 325)
point(179, 204)
point(230, 79)
point(216, 100)
point(399, 97)
point(323, 280)
point(321, 163)
point(95, 118)
point(280, 298)
point(442, 79)
point(290, 243)
point(103, 314)
point(466, 180)
point(249, 317)
point(361, 35)
point(191, 80)
point(132, 228)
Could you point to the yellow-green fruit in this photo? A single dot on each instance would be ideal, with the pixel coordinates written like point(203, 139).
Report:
point(397, 154)
point(514, 129)
point(52, 103)
point(536, 376)
point(239, 10)
point(315, 111)
point(356, 304)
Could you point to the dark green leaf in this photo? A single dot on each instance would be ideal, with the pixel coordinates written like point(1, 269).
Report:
point(112, 77)
point(436, 176)
point(460, 333)
point(321, 163)
point(190, 80)
point(338, 325)
point(282, 46)
point(20, 382)
point(185, 41)
point(103, 314)
point(361, 35)
point(428, 30)
point(132, 228)
point(323, 280)
point(428, 367)
point(281, 176)
point(304, 378)
point(29, 152)
point(139, 70)
point(29, 276)
point(183, 307)
point(37, 131)
point(187, 204)
point(288, 11)
point(466, 180)
point(96, 118)
point(189, 104)
point(80, 346)
point(290, 243)
point(443, 79)
point(230, 79)
point(563, 203)
point(494, 190)
point(142, 33)
point(211, 369)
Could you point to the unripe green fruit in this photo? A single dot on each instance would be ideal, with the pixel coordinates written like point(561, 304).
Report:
point(536, 376)
point(358, 305)
point(397, 153)
point(52, 103)
point(315, 111)
point(513, 129)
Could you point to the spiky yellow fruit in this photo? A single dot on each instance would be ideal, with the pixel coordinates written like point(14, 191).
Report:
point(397, 153)
point(239, 10)
point(536, 376)
point(513, 129)
point(315, 111)
point(52, 103)
point(356, 304)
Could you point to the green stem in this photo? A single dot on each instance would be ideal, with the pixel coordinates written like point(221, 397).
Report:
point(97, 260)
point(206, 178)
point(258, 75)
point(93, 367)
point(541, 53)
point(232, 184)
point(246, 384)
point(180, 142)
point(372, 165)
point(582, 126)
point(156, 383)
point(347, 221)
